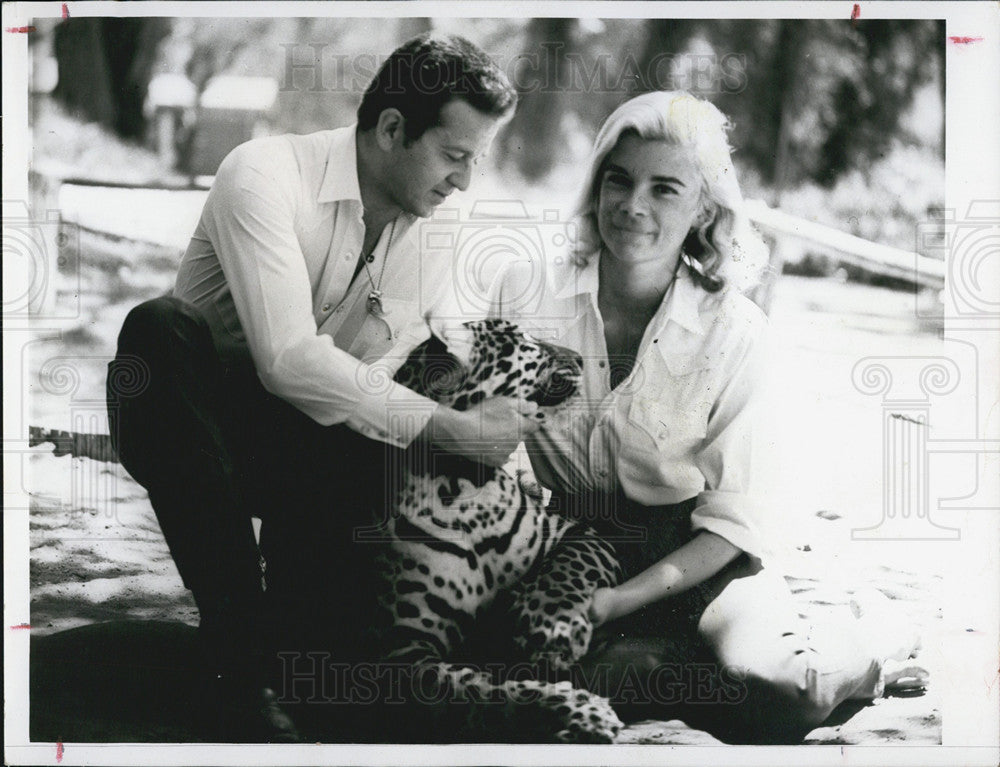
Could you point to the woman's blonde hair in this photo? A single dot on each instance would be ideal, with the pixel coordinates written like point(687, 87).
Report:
point(722, 247)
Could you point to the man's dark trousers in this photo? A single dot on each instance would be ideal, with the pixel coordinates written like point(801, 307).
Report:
point(213, 448)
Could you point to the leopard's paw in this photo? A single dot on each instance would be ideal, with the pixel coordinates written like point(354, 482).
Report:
point(569, 714)
point(588, 718)
point(562, 641)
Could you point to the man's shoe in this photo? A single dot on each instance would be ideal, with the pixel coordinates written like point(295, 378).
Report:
point(251, 716)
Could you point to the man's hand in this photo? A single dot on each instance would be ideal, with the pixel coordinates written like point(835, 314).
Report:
point(486, 433)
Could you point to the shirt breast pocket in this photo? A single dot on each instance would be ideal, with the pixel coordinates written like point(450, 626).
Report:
point(404, 321)
point(390, 337)
point(671, 409)
point(668, 426)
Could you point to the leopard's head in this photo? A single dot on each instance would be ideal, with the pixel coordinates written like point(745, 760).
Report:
point(488, 358)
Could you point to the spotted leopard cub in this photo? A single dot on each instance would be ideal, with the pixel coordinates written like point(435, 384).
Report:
point(462, 534)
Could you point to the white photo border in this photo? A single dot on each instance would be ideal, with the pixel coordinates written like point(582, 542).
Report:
point(972, 170)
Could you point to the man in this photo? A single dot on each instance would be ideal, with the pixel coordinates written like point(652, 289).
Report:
point(260, 393)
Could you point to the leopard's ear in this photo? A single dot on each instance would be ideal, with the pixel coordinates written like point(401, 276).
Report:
point(456, 336)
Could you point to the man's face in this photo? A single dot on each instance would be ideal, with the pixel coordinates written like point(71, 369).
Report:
point(424, 173)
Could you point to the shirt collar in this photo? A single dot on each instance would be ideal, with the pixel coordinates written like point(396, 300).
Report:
point(340, 179)
point(570, 280)
point(682, 303)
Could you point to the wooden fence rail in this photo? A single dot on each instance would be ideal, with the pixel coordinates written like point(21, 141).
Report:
point(881, 259)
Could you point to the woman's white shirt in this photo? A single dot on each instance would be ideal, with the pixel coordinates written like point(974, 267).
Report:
point(679, 426)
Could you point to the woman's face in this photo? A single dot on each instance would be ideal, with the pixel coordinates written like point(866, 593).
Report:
point(648, 200)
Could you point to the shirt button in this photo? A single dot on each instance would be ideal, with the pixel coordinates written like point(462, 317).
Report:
point(326, 307)
point(370, 257)
point(600, 364)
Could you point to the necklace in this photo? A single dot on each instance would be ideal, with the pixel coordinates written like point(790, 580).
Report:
point(374, 300)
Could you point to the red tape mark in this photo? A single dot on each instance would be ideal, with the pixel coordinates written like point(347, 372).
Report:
point(20, 30)
point(59, 751)
point(22, 626)
point(964, 40)
point(65, 11)
point(856, 13)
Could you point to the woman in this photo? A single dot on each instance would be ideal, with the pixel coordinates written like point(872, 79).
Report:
point(658, 454)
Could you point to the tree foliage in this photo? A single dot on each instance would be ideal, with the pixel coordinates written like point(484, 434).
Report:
point(811, 101)
point(839, 89)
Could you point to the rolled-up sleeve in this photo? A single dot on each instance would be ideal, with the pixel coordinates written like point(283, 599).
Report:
point(725, 506)
point(249, 218)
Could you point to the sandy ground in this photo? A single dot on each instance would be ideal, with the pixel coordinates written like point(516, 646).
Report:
point(97, 554)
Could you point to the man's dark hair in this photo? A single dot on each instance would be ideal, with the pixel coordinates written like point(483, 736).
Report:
point(427, 72)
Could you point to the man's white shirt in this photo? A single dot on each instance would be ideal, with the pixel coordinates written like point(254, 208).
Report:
point(270, 264)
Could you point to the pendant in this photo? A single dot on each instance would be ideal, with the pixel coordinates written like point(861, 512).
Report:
point(374, 303)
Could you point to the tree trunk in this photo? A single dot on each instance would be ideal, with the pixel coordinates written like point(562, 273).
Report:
point(105, 66)
point(942, 78)
point(534, 137)
point(84, 85)
point(786, 82)
point(665, 37)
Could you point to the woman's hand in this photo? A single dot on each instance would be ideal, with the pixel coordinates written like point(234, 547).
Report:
point(602, 606)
